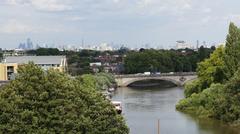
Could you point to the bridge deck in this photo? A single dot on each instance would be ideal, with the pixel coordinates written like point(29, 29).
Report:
point(156, 75)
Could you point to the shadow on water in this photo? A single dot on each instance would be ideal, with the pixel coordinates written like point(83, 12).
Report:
point(153, 84)
point(212, 126)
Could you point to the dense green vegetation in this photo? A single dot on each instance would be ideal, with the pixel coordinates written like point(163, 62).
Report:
point(1, 55)
point(216, 93)
point(165, 60)
point(100, 81)
point(52, 102)
point(209, 71)
point(44, 51)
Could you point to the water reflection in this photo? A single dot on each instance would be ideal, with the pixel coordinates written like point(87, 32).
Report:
point(143, 107)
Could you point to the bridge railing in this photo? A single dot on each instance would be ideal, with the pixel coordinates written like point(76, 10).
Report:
point(156, 75)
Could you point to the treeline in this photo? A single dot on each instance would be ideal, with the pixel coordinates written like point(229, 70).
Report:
point(44, 52)
point(39, 101)
point(216, 92)
point(184, 60)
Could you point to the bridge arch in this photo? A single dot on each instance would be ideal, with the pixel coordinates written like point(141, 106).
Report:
point(177, 79)
point(130, 81)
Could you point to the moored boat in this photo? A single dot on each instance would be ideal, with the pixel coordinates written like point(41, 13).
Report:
point(118, 106)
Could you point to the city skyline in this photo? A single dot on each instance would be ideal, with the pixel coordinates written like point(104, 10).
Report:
point(137, 23)
point(104, 46)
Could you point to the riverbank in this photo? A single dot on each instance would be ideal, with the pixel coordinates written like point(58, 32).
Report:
point(215, 94)
point(142, 107)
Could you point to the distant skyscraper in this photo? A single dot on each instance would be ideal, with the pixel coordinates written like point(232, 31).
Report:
point(29, 44)
point(22, 46)
point(147, 46)
point(82, 43)
point(26, 46)
point(37, 46)
point(197, 44)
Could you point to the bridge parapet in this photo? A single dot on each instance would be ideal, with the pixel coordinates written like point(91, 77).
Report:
point(156, 75)
point(177, 78)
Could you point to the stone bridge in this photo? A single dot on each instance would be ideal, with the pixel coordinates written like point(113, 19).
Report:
point(178, 79)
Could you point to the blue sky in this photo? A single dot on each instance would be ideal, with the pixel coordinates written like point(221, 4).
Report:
point(131, 22)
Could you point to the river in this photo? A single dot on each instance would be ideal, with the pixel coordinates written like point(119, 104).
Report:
point(143, 107)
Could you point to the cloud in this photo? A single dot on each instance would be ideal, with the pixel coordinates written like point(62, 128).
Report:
point(146, 7)
point(162, 6)
point(50, 5)
point(233, 17)
point(76, 18)
point(43, 5)
point(16, 27)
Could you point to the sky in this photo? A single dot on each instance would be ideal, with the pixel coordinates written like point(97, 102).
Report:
point(133, 23)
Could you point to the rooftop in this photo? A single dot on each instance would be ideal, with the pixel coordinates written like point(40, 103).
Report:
point(35, 59)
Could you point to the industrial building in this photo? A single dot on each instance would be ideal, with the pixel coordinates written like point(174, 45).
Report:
point(9, 65)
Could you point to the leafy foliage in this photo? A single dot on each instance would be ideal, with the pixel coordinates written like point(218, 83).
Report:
point(52, 102)
point(193, 87)
point(209, 71)
point(164, 60)
point(232, 50)
point(216, 93)
point(44, 51)
point(101, 81)
point(204, 103)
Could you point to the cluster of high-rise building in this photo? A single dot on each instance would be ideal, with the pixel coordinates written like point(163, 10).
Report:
point(26, 46)
point(29, 45)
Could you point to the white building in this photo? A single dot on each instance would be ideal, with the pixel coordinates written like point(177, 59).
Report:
point(104, 47)
point(182, 45)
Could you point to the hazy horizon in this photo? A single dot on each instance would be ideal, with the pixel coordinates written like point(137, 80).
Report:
point(134, 23)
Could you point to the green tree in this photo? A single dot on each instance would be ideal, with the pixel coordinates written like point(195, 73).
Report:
point(204, 104)
point(47, 51)
point(52, 102)
point(216, 93)
point(232, 51)
point(164, 60)
point(229, 108)
point(211, 70)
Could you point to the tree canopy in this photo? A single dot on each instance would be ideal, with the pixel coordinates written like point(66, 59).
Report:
point(164, 60)
point(40, 101)
point(216, 92)
point(232, 51)
point(211, 70)
point(100, 81)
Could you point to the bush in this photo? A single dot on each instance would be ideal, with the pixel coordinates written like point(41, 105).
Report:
point(101, 81)
point(193, 87)
point(204, 103)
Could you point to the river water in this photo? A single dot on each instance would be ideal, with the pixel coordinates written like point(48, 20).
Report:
point(143, 107)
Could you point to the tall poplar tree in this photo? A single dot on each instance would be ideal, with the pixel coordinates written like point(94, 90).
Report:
point(232, 51)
